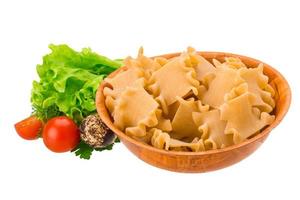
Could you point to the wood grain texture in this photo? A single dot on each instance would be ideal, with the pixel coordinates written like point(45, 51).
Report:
point(207, 160)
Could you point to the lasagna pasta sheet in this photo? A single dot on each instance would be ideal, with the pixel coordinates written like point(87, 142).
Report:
point(187, 103)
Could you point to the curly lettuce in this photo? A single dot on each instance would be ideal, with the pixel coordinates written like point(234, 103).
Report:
point(68, 82)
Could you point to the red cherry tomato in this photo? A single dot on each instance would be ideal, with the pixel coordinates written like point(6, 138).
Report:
point(61, 134)
point(29, 128)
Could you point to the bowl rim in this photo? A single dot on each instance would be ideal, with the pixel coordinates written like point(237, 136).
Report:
point(100, 105)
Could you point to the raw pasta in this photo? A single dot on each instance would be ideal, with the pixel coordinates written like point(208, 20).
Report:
point(143, 111)
point(143, 63)
point(212, 129)
point(183, 124)
point(186, 103)
point(230, 62)
point(162, 140)
point(242, 118)
point(201, 65)
point(121, 81)
point(258, 85)
point(224, 80)
point(172, 73)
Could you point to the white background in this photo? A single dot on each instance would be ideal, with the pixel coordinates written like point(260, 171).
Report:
point(266, 30)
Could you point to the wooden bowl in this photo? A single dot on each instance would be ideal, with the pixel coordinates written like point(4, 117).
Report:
point(207, 160)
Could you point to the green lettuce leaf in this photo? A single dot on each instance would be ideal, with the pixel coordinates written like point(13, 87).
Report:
point(68, 82)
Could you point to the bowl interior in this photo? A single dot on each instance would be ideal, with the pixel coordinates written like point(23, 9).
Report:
point(277, 81)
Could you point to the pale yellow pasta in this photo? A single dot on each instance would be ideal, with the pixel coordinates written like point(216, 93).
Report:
point(161, 61)
point(121, 81)
point(186, 103)
point(112, 94)
point(258, 85)
point(183, 124)
point(243, 120)
point(212, 128)
point(230, 62)
point(162, 140)
point(172, 73)
point(201, 65)
point(172, 109)
point(145, 64)
point(224, 80)
point(134, 110)
point(163, 124)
